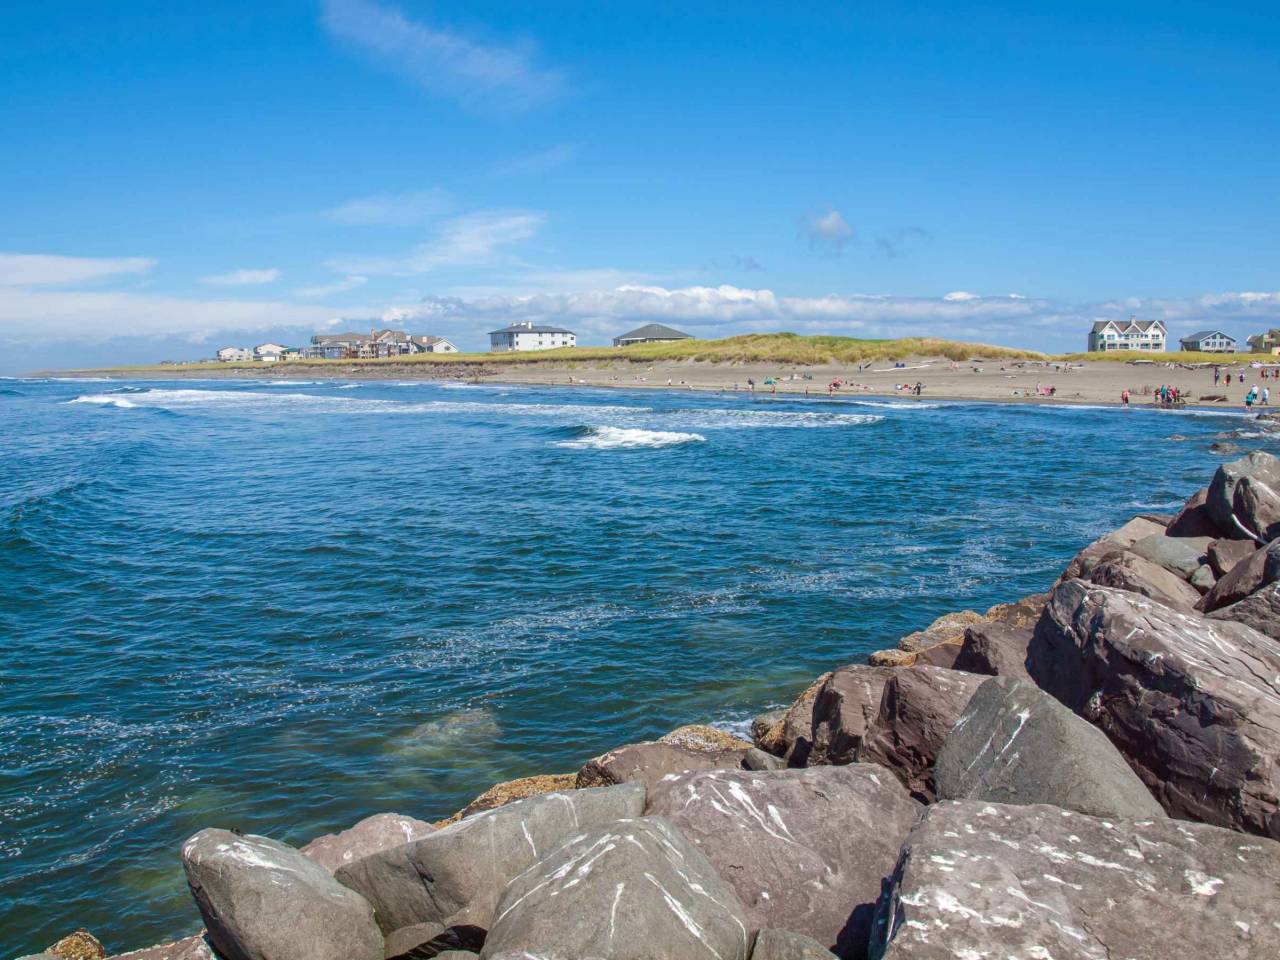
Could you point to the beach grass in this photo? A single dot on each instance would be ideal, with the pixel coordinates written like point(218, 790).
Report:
point(1170, 356)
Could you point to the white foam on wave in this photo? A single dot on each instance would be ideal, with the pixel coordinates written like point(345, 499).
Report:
point(625, 438)
point(349, 386)
point(727, 419)
point(104, 400)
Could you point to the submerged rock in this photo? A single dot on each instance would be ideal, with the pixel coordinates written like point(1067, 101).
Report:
point(263, 900)
point(1016, 744)
point(631, 890)
point(1192, 703)
point(983, 880)
point(370, 835)
point(805, 850)
point(454, 876)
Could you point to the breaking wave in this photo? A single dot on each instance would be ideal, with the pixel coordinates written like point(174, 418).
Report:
point(626, 438)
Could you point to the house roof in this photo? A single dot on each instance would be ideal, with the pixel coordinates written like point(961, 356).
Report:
point(654, 331)
point(427, 340)
point(1204, 334)
point(1142, 325)
point(533, 328)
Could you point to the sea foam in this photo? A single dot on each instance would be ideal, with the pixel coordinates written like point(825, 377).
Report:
point(623, 438)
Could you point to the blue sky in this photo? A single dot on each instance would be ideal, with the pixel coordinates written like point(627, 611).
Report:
point(177, 176)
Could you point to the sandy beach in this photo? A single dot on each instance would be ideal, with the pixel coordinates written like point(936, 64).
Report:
point(1005, 381)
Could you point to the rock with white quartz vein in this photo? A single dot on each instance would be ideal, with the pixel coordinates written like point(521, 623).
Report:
point(263, 900)
point(1016, 744)
point(987, 882)
point(370, 835)
point(1192, 703)
point(782, 945)
point(455, 876)
point(631, 890)
point(805, 850)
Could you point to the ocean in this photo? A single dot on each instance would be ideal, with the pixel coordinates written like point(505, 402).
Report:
point(284, 606)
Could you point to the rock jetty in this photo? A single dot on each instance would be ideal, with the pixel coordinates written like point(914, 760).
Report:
point(1087, 774)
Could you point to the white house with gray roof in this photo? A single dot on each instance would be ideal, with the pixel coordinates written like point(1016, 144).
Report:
point(1131, 334)
point(528, 335)
point(650, 333)
point(1209, 341)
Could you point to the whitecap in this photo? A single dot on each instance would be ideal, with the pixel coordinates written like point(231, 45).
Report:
point(104, 400)
point(623, 438)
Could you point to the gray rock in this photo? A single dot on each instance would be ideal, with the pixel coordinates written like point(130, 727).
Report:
point(263, 900)
point(455, 876)
point(1261, 568)
point(1194, 519)
point(648, 763)
point(757, 759)
point(1192, 703)
point(919, 707)
point(1111, 543)
point(804, 850)
point(783, 945)
point(1128, 571)
point(631, 890)
point(1242, 499)
point(765, 722)
point(1179, 555)
point(988, 881)
point(1016, 744)
point(996, 650)
point(844, 706)
point(189, 948)
point(792, 736)
point(424, 941)
point(457, 955)
point(1203, 579)
point(1225, 554)
point(370, 835)
point(1260, 610)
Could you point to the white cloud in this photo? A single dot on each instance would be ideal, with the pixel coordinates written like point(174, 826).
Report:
point(328, 289)
point(958, 296)
point(243, 278)
point(474, 239)
point(392, 209)
point(40, 270)
point(441, 62)
point(827, 232)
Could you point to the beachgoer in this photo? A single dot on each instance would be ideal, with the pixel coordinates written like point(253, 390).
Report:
point(1124, 399)
point(1217, 375)
point(1266, 396)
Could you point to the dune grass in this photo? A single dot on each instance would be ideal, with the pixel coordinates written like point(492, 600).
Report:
point(1171, 356)
point(774, 348)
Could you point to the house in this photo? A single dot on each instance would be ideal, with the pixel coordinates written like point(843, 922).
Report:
point(269, 352)
point(1268, 342)
point(1209, 341)
point(235, 354)
point(433, 345)
point(374, 344)
point(650, 333)
point(528, 335)
point(1131, 334)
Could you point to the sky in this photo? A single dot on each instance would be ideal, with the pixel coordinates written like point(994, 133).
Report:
point(180, 176)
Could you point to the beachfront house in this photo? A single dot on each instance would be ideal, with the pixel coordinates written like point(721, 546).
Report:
point(1209, 341)
point(235, 354)
point(650, 333)
point(528, 335)
point(1268, 342)
point(269, 352)
point(374, 345)
point(1131, 334)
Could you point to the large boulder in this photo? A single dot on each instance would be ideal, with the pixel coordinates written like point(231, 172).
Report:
point(1182, 556)
point(982, 880)
point(1225, 554)
point(996, 649)
point(948, 628)
point(792, 736)
point(1243, 499)
point(509, 791)
point(1117, 541)
point(647, 763)
point(454, 876)
point(805, 850)
point(1128, 571)
point(1016, 744)
point(1192, 703)
point(370, 835)
point(631, 890)
point(918, 708)
point(1260, 610)
point(1261, 568)
point(263, 900)
point(844, 707)
point(188, 948)
point(1194, 520)
point(784, 945)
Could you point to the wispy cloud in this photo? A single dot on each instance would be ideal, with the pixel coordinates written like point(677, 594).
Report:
point(392, 209)
point(243, 278)
point(444, 63)
point(41, 270)
point(536, 163)
point(474, 239)
point(899, 243)
point(826, 232)
point(329, 289)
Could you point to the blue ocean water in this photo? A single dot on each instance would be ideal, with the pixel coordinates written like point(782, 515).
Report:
point(284, 606)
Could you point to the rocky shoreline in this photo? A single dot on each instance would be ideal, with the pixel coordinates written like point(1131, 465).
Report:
point(1089, 773)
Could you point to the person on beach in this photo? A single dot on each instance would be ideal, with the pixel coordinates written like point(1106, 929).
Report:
point(751, 384)
point(1248, 400)
point(1124, 398)
point(1266, 396)
point(1217, 375)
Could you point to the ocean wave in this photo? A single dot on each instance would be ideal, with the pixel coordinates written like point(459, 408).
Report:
point(728, 419)
point(349, 386)
point(105, 400)
point(624, 438)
